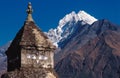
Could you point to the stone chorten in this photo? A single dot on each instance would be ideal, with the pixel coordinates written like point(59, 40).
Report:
point(31, 53)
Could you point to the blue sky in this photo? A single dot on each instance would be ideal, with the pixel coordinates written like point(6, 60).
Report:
point(47, 13)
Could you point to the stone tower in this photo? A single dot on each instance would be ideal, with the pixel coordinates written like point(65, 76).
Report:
point(30, 52)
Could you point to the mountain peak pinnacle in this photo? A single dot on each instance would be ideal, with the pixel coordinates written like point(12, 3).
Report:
point(29, 12)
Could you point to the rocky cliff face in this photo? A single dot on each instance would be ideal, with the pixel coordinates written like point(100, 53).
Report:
point(93, 52)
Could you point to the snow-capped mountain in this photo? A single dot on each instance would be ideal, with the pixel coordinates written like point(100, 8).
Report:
point(67, 25)
point(3, 58)
point(4, 48)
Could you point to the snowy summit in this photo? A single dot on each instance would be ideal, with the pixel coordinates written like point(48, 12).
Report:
point(67, 25)
point(80, 16)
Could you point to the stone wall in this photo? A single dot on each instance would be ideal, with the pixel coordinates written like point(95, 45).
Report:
point(31, 73)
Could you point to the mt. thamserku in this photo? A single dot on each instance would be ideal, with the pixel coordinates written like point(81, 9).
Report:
point(67, 25)
point(31, 53)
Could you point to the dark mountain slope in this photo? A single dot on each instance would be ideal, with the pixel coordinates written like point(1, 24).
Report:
point(97, 58)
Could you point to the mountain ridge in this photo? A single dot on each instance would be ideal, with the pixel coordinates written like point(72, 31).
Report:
point(96, 57)
point(66, 25)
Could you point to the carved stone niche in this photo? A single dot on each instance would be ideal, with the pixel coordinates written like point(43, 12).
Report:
point(31, 58)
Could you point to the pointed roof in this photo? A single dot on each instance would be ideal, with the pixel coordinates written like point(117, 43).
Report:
point(28, 37)
point(30, 34)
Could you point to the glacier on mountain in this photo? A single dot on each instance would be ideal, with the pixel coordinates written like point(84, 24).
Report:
point(67, 25)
